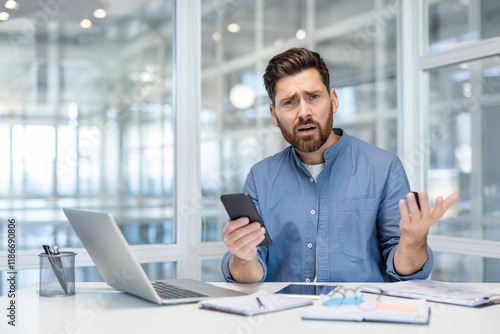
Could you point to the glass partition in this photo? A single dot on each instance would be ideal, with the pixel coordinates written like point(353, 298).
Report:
point(86, 118)
point(236, 128)
point(454, 23)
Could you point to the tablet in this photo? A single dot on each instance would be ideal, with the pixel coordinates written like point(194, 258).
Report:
point(308, 290)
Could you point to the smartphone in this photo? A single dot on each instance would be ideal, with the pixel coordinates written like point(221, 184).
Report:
point(241, 205)
point(416, 198)
point(308, 289)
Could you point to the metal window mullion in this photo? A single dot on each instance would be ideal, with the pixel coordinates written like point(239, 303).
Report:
point(411, 144)
point(380, 82)
point(460, 54)
point(476, 181)
point(187, 97)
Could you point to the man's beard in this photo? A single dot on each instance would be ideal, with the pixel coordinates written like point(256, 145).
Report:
point(311, 143)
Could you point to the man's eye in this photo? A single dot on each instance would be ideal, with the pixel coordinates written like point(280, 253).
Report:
point(314, 97)
point(288, 103)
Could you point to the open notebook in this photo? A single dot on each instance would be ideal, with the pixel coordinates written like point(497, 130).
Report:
point(396, 311)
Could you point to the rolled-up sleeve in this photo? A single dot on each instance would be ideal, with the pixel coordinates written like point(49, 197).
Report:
point(397, 187)
point(421, 274)
point(225, 265)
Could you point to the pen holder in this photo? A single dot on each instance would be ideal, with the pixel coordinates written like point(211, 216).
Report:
point(57, 274)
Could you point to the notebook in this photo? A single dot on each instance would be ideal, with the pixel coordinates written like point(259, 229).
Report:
point(442, 292)
point(258, 303)
point(402, 311)
point(113, 257)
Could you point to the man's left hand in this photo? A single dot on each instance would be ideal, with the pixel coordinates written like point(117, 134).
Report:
point(415, 224)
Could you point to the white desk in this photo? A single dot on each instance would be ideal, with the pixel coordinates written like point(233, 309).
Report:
point(96, 308)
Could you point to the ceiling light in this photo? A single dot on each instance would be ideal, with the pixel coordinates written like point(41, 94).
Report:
point(11, 4)
point(100, 13)
point(233, 27)
point(4, 16)
point(278, 42)
point(300, 34)
point(86, 23)
point(146, 76)
point(216, 36)
point(242, 96)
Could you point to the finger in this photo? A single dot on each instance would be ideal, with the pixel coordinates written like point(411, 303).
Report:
point(403, 210)
point(412, 204)
point(438, 210)
point(236, 235)
point(247, 242)
point(449, 201)
point(425, 207)
point(235, 224)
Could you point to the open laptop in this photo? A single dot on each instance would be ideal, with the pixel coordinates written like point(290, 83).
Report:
point(113, 257)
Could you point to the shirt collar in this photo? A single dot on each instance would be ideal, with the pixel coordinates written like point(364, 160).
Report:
point(332, 153)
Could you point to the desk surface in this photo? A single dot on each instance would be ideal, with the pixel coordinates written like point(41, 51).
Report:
point(97, 308)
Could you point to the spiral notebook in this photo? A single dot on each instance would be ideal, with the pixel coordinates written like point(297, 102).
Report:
point(257, 303)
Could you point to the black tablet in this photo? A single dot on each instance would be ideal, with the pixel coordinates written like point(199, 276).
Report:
point(308, 289)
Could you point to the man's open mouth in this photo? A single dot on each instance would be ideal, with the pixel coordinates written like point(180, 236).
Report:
point(307, 128)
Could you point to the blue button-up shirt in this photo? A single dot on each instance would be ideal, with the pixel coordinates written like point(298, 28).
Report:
point(343, 227)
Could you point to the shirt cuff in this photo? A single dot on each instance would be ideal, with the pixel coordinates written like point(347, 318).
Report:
point(421, 274)
point(227, 274)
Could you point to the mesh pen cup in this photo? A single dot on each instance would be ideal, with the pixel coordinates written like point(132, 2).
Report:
point(57, 274)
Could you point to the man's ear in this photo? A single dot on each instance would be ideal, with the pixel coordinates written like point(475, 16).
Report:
point(334, 99)
point(272, 110)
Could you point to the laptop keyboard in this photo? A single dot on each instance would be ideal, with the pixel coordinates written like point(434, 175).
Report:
point(169, 291)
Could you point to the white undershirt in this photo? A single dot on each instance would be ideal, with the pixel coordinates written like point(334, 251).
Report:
point(315, 170)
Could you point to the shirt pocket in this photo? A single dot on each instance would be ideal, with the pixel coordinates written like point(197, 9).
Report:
point(357, 227)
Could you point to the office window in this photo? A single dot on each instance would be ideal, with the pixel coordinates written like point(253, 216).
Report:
point(87, 120)
point(328, 12)
point(463, 118)
point(453, 23)
point(282, 23)
point(5, 150)
point(236, 127)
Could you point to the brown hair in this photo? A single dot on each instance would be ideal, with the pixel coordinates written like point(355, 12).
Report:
point(290, 62)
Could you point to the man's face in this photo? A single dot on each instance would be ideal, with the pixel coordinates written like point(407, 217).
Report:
point(304, 110)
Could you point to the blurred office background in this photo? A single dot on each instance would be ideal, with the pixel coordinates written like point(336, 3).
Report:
point(92, 115)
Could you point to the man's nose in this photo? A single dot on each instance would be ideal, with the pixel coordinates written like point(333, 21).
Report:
point(304, 109)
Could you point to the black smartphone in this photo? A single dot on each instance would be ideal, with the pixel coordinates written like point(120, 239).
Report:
point(308, 289)
point(416, 198)
point(241, 205)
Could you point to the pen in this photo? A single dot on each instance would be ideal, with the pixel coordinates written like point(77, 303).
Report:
point(260, 303)
point(47, 250)
point(57, 266)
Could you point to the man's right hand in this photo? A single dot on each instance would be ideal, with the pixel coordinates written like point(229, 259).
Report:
point(242, 238)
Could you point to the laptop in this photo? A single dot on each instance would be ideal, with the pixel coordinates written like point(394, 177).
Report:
point(113, 257)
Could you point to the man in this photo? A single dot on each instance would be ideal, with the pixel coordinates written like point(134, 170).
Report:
point(334, 205)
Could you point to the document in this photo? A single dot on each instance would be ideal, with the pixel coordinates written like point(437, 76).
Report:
point(436, 291)
point(407, 311)
point(257, 303)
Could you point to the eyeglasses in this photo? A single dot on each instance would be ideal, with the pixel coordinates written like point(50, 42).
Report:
point(345, 296)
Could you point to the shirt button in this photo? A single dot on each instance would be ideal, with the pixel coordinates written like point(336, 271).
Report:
point(313, 212)
point(311, 179)
point(308, 280)
point(309, 245)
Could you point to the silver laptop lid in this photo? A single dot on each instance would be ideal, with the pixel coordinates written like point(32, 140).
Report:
point(111, 253)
